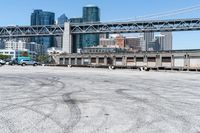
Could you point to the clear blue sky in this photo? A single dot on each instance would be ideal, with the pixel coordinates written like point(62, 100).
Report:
point(17, 12)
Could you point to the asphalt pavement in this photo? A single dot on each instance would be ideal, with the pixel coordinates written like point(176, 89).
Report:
point(91, 100)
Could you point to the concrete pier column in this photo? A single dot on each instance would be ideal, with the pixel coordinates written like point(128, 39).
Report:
point(67, 39)
point(114, 60)
point(76, 61)
point(70, 61)
point(172, 60)
point(124, 59)
point(105, 60)
point(63, 61)
point(97, 60)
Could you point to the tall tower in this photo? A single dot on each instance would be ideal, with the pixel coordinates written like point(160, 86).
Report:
point(39, 17)
point(91, 14)
point(148, 37)
point(58, 39)
point(77, 39)
point(167, 41)
point(161, 41)
point(62, 19)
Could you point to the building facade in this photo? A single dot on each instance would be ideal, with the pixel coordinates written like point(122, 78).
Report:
point(34, 48)
point(107, 42)
point(39, 17)
point(148, 37)
point(168, 40)
point(62, 19)
point(120, 41)
point(133, 44)
point(90, 14)
point(77, 39)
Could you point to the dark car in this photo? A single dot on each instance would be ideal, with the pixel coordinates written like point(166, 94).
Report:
point(11, 62)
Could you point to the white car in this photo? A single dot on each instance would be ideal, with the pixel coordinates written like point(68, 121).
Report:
point(28, 62)
point(2, 62)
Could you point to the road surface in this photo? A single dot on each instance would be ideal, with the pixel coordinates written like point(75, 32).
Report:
point(82, 100)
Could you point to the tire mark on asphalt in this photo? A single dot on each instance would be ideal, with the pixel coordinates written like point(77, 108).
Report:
point(75, 112)
point(167, 112)
point(8, 124)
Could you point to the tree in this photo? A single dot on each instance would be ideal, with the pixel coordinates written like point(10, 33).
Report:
point(43, 58)
point(4, 57)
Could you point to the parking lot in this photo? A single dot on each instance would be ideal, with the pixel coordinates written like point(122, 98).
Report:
point(88, 100)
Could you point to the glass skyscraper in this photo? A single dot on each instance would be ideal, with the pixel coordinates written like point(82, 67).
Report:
point(90, 14)
point(39, 17)
point(77, 39)
point(62, 19)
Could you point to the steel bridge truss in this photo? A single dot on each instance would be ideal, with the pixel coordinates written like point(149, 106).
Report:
point(28, 31)
point(99, 28)
point(137, 26)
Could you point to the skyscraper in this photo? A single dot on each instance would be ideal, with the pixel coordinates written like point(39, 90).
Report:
point(91, 14)
point(148, 37)
point(77, 39)
point(58, 39)
point(62, 19)
point(39, 17)
point(161, 41)
point(168, 40)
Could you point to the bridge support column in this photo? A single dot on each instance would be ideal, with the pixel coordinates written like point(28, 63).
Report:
point(105, 60)
point(67, 39)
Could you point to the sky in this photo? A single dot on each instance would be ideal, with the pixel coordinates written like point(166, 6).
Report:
point(17, 12)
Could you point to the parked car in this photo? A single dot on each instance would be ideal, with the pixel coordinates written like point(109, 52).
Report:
point(28, 62)
point(12, 62)
point(2, 62)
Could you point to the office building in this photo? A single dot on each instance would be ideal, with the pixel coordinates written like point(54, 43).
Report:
point(107, 42)
point(2, 44)
point(39, 17)
point(168, 40)
point(15, 45)
point(62, 19)
point(58, 39)
point(148, 37)
point(33, 47)
point(91, 14)
point(77, 39)
point(76, 20)
point(120, 41)
point(161, 41)
point(10, 52)
point(133, 43)
point(154, 45)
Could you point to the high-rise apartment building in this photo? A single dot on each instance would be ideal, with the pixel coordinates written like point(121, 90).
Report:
point(91, 14)
point(39, 17)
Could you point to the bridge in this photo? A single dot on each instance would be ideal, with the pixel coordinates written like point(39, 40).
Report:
point(70, 29)
point(100, 28)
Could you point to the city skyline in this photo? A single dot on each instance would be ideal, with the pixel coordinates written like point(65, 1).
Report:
point(130, 10)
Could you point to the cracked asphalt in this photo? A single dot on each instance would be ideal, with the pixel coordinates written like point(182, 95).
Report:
point(82, 100)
